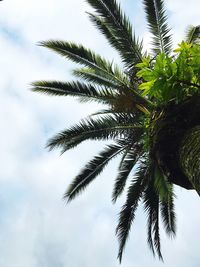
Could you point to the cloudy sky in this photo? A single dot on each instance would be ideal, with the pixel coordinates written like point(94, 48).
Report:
point(36, 227)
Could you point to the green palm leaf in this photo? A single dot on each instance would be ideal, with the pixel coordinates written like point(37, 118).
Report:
point(85, 92)
point(125, 42)
point(157, 22)
point(151, 202)
point(127, 213)
point(193, 34)
point(80, 54)
point(96, 77)
point(161, 184)
point(128, 90)
point(168, 215)
point(93, 169)
point(110, 126)
point(84, 56)
point(129, 159)
point(103, 112)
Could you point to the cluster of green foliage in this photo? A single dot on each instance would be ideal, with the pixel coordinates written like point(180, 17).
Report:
point(168, 79)
point(171, 78)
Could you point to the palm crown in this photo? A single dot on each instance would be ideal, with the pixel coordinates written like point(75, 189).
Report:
point(149, 114)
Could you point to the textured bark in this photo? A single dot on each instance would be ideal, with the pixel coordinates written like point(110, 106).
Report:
point(176, 141)
point(190, 156)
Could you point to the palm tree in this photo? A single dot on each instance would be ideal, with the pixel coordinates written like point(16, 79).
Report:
point(156, 130)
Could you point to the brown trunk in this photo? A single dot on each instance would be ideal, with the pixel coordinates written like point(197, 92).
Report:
point(190, 155)
point(175, 133)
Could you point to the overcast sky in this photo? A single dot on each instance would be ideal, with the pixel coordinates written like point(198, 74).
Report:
point(36, 227)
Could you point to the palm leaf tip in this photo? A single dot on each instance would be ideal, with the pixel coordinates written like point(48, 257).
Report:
point(168, 215)
point(151, 204)
point(127, 163)
point(92, 170)
point(92, 61)
point(157, 22)
point(127, 214)
point(48, 87)
point(193, 34)
point(101, 128)
point(115, 25)
point(84, 92)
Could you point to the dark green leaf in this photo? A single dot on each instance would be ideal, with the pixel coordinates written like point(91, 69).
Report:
point(127, 214)
point(131, 155)
point(114, 24)
point(85, 92)
point(151, 201)
point(168, 215)
point(157, 22)
point(103, 128)
point(193, 34)
point(92, 169)
point(86, 57)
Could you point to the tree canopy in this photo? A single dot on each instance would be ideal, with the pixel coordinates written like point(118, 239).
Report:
point(151, 114)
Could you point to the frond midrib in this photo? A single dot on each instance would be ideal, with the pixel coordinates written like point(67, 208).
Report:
point(100, 165)
point(95, 66)
point(119, 25)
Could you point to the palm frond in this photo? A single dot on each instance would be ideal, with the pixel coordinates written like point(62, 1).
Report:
point(84, 56)
point(92, 170)
point(129, 159)
point(102, 128)
point(151, 202)
point(168, 215)
point(93, 76)
point(84, 92)
point(157, 22)
point(103, 112)
point(127, 214)
point(81, 55)
point(193, 34)
point(161, 184)
point(99, 22)
point(115, 25)
point(125, 95)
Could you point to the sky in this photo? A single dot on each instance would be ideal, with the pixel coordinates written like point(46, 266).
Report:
point(38, 229)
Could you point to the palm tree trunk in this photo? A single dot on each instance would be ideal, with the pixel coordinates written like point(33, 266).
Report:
point(176, 142)
point(190, 156)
